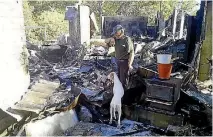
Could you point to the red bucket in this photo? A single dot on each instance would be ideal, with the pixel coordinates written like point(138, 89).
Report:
point(164, 71)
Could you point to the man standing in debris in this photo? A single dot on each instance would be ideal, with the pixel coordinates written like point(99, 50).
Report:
point(124, 52)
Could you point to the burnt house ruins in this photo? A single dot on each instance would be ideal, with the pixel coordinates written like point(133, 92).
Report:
point(71, 75)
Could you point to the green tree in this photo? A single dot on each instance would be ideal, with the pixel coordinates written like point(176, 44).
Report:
point(51, 13)
point(54, 22)
point(29, 21)
point(41, 6)
point(139, 8)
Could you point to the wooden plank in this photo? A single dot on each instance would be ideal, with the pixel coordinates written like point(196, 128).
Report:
point(3, 114)
point(5, 120)
point(18, 114)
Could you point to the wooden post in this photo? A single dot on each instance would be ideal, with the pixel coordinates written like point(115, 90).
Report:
point(206, 50)
point(100, 12)
point(174, 23)
point(182, 24)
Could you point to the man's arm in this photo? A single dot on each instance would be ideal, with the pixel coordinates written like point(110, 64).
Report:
point(102, 42)
point(131, 52)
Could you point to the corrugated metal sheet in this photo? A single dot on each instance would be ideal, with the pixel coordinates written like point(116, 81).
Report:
point(35, 99)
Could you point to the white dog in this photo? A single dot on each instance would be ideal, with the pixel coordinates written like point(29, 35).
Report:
point(52, 125)
point(118, 93)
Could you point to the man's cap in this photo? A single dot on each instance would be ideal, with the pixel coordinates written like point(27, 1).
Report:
point(116, 28)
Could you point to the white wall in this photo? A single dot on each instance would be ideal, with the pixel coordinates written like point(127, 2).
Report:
point(14, 77)
point(84, 24)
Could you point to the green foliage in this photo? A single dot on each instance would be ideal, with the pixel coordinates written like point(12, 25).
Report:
point(41, 14)
point(29, 21)
point(54, 22)
point(138, 8)
point(51, 13)
point(41, 6)
point(24, 59)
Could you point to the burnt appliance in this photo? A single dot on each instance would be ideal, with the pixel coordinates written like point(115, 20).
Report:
point(163, 94)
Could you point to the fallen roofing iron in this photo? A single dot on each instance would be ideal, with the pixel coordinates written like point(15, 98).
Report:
point(35, 99)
